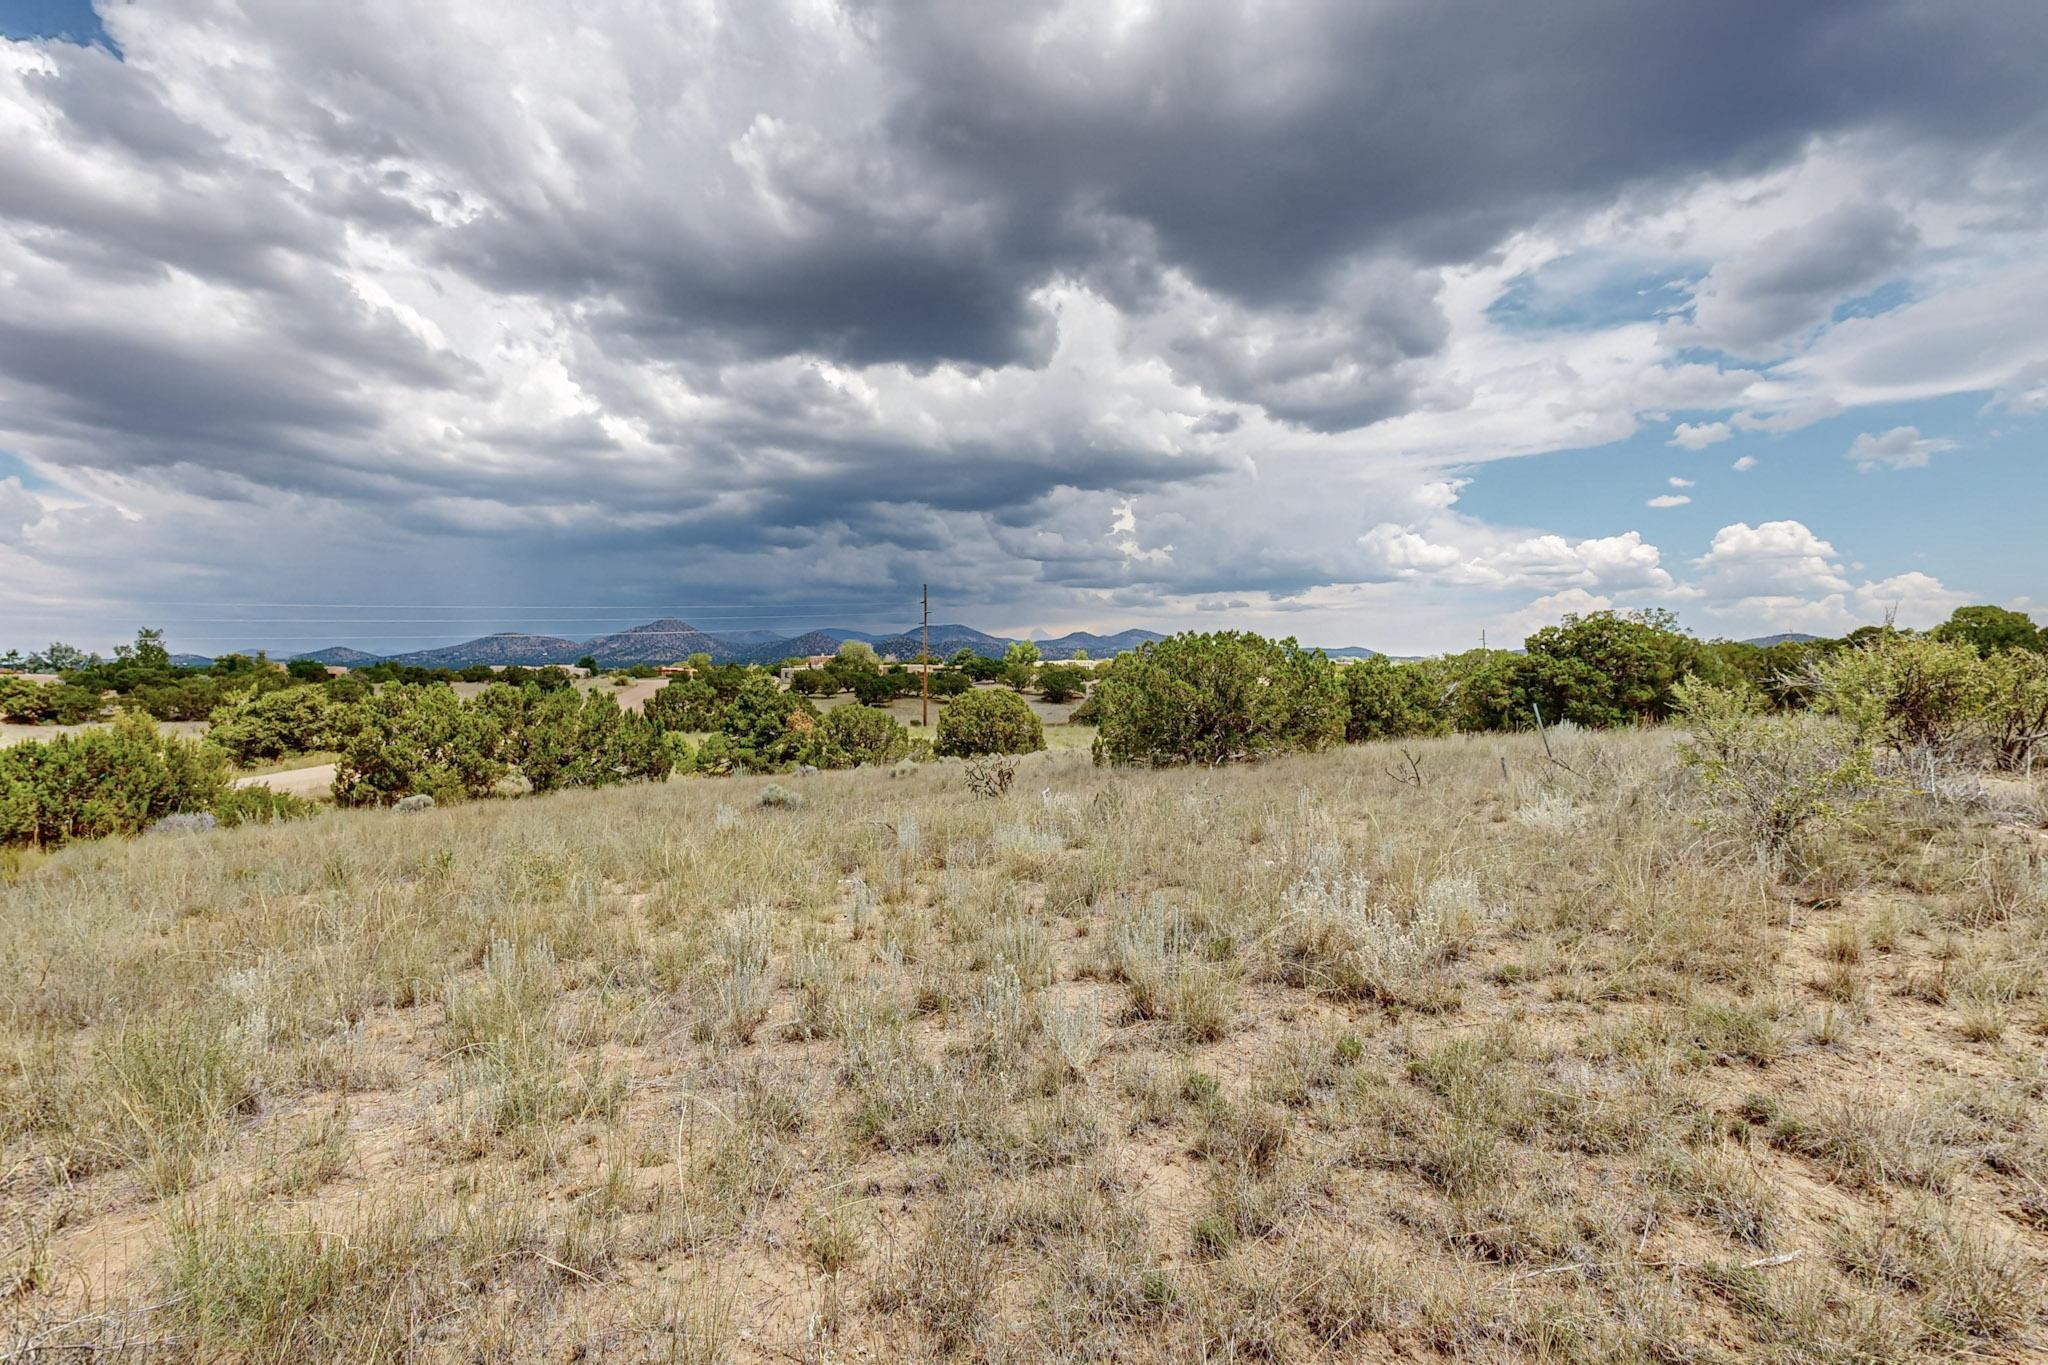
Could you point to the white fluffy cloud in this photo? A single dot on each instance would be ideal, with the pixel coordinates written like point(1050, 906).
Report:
point(1774, 557)
point(1396, 551)
point(1701, 435)
point(1783, 575)
point(1899, 448)
point(1663, 500)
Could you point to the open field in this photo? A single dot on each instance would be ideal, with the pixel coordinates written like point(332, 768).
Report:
point(1295, 1061)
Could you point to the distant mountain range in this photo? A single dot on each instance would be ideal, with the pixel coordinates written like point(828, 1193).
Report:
point(669, 639)
point(657, 642)
point(341, 656)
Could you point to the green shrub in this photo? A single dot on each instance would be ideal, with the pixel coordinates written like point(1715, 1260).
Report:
point(567, 738)
point(767, 726)
point(349, 687)
point(26, 702)
point(294, 720)
point(259, 805)
point(876, 689)
point(1061, 682)
point(409, 739)
point(1609, 668)
point(1992, 630)
point(1386, 700)
point(193, 698)
point(2016, 711)
point(813, 682)
point(714, 757)
point(104, 781)
point(683, 705)
point(1020, 662)
point(1219, 698)
point(849, 736)
point(1907, 692)
point(986, 721)
point(1773, 772)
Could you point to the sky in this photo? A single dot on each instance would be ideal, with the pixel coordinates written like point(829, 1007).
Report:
point(1394, 323)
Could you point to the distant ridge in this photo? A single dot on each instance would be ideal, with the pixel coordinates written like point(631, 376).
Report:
point(1788, 638)
point(795, 647)
point(670, 639)
point(1098, 646)
point(506, 648)
point(658, 642)
point(748, 639)
point(945, 640)
point(341, 656)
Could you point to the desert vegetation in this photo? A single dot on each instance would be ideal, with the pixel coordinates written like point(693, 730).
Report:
point(1459, 1047)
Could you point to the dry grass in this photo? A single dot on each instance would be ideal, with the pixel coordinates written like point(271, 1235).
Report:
point(1288, 1062)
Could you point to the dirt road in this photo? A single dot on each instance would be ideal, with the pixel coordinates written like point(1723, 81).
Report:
point(311, 783)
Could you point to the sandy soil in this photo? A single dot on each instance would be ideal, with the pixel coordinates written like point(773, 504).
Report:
point(312, 783)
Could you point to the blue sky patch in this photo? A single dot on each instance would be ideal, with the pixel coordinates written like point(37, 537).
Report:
point(1960, 517)
point(1592, 289)
point(1884, 298)
point(73, 21)
point(11, 467)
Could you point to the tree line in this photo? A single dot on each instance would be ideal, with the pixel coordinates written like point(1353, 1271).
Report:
point(1976, 686)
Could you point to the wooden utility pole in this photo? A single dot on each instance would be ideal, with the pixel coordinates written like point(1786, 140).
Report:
point(927, 671)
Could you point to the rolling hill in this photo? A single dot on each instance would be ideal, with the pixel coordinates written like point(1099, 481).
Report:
point(945, 639)
point(504, 648)
point(1098, 646)
point(797, 646)
point(658, 642)
point(749, 639)
point(341, 656)
point(669, 639)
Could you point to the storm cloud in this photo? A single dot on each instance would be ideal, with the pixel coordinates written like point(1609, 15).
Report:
point(1078, 308)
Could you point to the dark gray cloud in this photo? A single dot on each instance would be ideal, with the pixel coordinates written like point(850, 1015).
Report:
point(762, 291)
point(1265, 146)
point(1788, 284)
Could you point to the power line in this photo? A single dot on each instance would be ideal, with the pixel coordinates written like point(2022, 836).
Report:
point(169, 622)
point(874, 605)
point(638, 635)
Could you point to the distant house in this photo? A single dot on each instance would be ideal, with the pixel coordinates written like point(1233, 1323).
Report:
point(676, 671)
point(788, 671)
